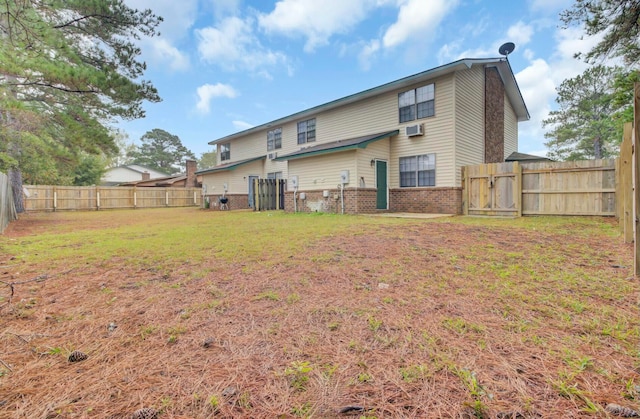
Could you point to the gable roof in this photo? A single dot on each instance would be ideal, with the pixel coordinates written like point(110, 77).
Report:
point(502, 65)
point(229, 166)
point(515, 156)
point(336, 146)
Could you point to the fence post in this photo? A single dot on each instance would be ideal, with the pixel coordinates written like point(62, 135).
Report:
point(135, 198)
point(55, 199)
point(517, 168)
point(465, 190)
point(166, 198)
point(97, 199)
point(636, 176)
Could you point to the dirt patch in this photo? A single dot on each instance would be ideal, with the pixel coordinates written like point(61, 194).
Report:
point(416, 320)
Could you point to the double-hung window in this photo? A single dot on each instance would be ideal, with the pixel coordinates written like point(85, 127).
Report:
point(416, 171)
point(274, 139)
point(417, 103)
point(225, 151)
point(306, 131)
point(274, 175)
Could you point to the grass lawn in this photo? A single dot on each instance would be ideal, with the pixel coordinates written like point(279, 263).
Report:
point(198, 314)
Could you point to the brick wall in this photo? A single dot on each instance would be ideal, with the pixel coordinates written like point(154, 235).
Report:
point(235, 201)
point(363, 201)
point(426, 200)
point(493, 117)
point(356, 201)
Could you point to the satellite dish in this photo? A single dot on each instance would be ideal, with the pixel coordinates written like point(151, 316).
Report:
point(507, 48)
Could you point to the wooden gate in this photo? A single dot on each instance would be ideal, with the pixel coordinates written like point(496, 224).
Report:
point(493, 189)
point(268, 194)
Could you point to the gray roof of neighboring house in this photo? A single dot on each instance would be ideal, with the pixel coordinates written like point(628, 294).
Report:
point(515, 156)
point(502, 64)
point(139, 168)
point(335, 146)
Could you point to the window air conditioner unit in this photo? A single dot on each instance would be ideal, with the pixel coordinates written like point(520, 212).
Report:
point(273, 156)
point(413, 130)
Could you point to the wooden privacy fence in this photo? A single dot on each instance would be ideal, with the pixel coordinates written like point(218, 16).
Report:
point(268, 194)
point(543, 188)
point(86, 198)
point(7, 208)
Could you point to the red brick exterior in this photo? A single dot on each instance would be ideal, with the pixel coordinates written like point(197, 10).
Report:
point(356, 201)
point(426, 200)
point(363, 201)
point(493, 117)
point(235, 201)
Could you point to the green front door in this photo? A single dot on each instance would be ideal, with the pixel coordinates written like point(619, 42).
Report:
point(381, 183)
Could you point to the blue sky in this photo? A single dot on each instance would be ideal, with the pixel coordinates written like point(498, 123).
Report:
point(222, 66)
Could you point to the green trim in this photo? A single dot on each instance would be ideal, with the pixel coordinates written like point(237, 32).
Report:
point(338, 149)
point(229, 166)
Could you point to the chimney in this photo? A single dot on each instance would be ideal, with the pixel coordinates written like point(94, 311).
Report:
point(146, 175)
point(192, 165)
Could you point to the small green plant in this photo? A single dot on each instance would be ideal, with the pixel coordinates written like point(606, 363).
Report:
point(267, 295)
point(214, 402)
point(374, 324)
point(333, 326)
point(413, 373)
point(302, 410)
point(298, 374)
point(172, 339)
point(147, 331)
point(363, 377)
point(293, 298)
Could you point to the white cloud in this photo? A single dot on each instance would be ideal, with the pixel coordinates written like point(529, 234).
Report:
point(417, 21)
point(241, 125)
point(207, 92)
point(315, 20)
point(367, 53)
point(225, 7)
point(162, 51)
point(232, 45)
point(520, 33)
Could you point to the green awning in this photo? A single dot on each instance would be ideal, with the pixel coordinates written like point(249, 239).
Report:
point(337, 146)
point(229, 166)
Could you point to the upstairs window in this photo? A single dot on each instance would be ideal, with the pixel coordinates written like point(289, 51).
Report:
point(307, 131)
point(225, 151)
point(416, 171)
point(274, 139)
point(417, 103)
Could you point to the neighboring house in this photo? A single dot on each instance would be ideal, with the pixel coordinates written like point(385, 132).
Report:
point(526, 158)
point(397, 147)
point(181, 180)
point(129, 173)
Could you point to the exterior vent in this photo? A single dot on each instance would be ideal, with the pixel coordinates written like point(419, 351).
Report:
point(413, 130)
point(273, 156)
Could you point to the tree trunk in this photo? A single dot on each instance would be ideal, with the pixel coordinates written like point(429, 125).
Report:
point(597, 148)
point(15, 178)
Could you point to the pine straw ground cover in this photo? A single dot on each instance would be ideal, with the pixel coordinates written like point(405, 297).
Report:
point(199, 314)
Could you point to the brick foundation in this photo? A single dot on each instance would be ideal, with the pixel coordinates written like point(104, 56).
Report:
point(426, 200)
point(356, 201)
point(363, 201)
point(235, 201)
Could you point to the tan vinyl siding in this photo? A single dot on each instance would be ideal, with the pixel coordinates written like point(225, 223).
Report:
point(438, 137)
point(366, 173)
point(252, 145)
point(510, 129)
point(236, 179)
point(469, 114)
point(323, 172)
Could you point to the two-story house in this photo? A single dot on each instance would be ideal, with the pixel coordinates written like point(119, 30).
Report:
point(397, 147)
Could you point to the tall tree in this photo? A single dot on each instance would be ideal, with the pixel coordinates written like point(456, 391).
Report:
point(618, 20)
point(208, 159)
point(582, 127)
point(162, 151)
point(73, 66)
